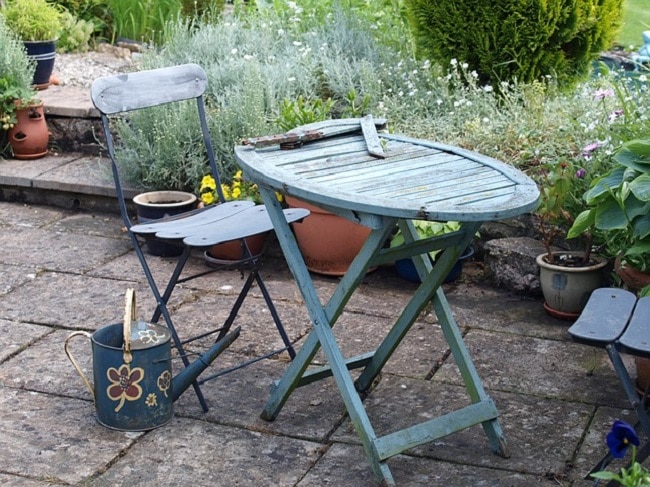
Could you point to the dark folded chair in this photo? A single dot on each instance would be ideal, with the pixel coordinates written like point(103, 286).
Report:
point(614, 319)
point(197, 229)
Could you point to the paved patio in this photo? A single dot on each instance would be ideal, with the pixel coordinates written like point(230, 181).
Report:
point(65, 270)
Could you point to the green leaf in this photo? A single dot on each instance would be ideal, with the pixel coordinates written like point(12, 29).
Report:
point(641, 226)
point(605, 184)
point(610, 216)
point(582, 223)
point(641, 187)
point(604, 475)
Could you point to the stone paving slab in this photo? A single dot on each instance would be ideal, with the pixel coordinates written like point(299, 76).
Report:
point(532, 366)
point(15, 337)
point(14, 172)
point(343, 464)
point(212, 455)
point(75, 253)
point(50, 438)
point(14, 276)
point(521, 417)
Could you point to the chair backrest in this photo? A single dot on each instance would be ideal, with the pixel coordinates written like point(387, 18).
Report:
point(144, 89)
point(113, 95)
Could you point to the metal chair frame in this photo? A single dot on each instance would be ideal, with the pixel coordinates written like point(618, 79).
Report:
point(197, 229)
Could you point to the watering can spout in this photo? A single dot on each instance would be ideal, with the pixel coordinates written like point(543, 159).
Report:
point(188, 375)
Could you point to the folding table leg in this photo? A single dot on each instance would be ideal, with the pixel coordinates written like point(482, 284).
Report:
point(468, 372)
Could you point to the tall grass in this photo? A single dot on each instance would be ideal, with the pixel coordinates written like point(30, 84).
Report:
point(143, 20)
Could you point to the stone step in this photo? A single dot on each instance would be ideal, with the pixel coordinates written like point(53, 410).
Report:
point(72, 120)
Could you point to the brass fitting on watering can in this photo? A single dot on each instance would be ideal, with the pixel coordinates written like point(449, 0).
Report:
point(133, 385)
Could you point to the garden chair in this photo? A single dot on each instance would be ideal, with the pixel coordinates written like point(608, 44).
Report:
point(614, 319)
point(197, 229)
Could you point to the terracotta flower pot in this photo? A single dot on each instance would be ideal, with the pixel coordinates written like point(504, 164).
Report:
point(633, 278)
point(328, 242)
point(29, 137)
point(232, 251)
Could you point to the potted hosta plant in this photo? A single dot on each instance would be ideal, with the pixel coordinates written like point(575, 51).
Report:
point(619, 204)
point(38, 23)
point(567, 277)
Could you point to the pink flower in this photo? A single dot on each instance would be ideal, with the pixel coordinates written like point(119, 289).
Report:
point(587, 150)
point(603, 93)
point(614, 115)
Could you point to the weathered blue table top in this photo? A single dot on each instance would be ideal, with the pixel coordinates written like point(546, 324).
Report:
point(416, 179)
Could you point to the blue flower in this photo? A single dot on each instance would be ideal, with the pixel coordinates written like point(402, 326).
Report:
point(620, 438)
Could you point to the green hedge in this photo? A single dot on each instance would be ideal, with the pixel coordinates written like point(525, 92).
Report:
point(524, 40)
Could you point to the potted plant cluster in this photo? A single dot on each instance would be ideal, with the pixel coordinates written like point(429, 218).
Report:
point(426, 229)
point(38, 23)
point(619, 204)
point(567, 277)
point(22, 122)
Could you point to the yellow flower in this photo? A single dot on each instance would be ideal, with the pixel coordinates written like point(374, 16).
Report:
point(236, 192)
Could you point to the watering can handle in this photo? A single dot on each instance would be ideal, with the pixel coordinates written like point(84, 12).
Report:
point(129, 316)
point(74, 362)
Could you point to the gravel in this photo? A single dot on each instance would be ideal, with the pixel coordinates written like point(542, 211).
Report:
point(80, 69)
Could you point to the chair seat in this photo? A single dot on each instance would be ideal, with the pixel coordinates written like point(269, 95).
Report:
point(195, 218)
point(216, 224)
point(604, 317)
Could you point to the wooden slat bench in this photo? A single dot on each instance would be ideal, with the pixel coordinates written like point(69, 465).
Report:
point(614, 319)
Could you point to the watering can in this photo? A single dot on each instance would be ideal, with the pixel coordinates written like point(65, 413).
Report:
point(134, 389)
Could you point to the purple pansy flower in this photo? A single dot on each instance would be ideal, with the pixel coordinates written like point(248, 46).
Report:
point(621, 436)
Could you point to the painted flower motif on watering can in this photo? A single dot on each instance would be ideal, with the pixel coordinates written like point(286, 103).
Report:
point(152, 400)
point(165, 382)
point(150, 336)
point(124, 384)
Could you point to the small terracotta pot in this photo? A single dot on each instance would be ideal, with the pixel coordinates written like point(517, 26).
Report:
point(642, 373)
point(633, 278)
point(233, 251)
point(29, 137)
point(328, 242)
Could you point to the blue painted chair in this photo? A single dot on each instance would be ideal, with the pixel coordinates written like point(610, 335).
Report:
point(614, 319)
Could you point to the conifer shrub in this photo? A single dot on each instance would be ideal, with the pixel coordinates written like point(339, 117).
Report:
point(523, 40)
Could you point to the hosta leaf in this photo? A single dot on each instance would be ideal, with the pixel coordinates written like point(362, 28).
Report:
point(610, 216)
point(605, 184)
point(642, 226)
point(640, 187)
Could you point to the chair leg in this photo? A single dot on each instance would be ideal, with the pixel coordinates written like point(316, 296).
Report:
point(161, 307)
point(276, 317)
point(254, 276)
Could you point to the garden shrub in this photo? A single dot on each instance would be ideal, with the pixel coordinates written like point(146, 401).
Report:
point(523, 40)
